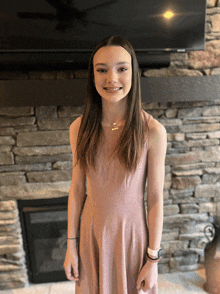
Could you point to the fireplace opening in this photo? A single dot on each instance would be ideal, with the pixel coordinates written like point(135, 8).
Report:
point(44, 232)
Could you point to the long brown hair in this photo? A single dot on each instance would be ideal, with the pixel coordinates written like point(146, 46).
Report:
point(131, 141)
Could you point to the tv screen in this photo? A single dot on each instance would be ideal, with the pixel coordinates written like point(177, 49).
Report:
point(51, 27)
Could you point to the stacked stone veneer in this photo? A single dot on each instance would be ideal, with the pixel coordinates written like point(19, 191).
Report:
point(36, 160)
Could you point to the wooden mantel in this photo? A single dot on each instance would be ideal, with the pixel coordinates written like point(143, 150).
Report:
point(72, 92)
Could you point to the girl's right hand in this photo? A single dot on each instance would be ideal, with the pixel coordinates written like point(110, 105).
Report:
point(71, 265)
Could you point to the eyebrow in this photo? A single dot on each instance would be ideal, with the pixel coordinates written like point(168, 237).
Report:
point(122, 62)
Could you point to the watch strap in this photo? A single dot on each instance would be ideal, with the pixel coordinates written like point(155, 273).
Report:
point(153, 252)
point(154, 260)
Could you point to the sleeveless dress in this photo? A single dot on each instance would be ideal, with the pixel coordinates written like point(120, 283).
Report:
point(113, 235)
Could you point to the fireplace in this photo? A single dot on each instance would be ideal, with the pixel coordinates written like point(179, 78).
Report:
point(44, 231)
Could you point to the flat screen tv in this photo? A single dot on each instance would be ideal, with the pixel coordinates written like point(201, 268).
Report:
point(65, 32)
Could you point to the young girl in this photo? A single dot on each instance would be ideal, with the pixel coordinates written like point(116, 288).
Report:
point(116, 146)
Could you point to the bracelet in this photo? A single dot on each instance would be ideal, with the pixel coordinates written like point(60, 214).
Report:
point(72, 238)
point(154, 260)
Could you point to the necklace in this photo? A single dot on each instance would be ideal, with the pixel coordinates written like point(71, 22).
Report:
point(115, 127)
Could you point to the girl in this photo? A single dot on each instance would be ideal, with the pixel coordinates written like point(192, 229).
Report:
point(116, 146)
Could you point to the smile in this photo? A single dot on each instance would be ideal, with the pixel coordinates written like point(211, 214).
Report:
point(113, 89)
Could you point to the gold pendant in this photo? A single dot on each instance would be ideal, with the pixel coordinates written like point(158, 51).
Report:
point(114, 128)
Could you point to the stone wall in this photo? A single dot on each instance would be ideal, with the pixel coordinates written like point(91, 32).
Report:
point(35, 160)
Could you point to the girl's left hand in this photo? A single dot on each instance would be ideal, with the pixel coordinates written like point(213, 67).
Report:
point(148, 277)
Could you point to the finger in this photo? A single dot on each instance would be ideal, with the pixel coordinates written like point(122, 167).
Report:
point(69, 274)
point(139, 285)
point(68, 271)
point(75, 273)
point(148, 289)
point(145, 287)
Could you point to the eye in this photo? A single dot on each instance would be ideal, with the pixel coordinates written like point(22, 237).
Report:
point(123, 69)
point(101, 70)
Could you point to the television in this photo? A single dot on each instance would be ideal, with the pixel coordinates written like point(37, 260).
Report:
point(63, 33)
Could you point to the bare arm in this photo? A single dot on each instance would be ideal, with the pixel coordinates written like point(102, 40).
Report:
point(156, 172)
point(77, 189)
point(157, 145)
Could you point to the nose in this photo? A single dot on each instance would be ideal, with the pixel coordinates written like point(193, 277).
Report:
point(112, 77)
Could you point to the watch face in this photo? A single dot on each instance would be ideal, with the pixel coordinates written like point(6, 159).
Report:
point(159, 253)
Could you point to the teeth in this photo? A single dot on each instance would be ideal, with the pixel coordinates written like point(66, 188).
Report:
point(114, 89)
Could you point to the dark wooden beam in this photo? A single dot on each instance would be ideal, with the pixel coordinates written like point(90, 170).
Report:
point(73, 92)
point(177, 89)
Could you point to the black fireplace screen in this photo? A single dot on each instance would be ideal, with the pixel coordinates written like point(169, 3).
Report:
point(44, 230)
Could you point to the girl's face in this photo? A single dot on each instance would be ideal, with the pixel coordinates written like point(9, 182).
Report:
point(112, 72)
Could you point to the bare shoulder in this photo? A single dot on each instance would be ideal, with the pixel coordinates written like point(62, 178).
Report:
point(157, 132)
point(74, 130)
point(156, 127)
point(76, 123)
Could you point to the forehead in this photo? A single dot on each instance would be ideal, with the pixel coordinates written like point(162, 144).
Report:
point(111, 55)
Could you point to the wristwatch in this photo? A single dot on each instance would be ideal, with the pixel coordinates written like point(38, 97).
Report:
point(155, 253)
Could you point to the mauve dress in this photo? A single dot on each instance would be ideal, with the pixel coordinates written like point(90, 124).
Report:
point(113, 234)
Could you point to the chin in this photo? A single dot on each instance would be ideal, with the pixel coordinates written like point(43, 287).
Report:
point(113, 99)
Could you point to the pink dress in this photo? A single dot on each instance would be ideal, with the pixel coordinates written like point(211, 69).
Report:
point(113, 230)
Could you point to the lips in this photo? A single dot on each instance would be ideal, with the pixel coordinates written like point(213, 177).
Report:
point(112, 90)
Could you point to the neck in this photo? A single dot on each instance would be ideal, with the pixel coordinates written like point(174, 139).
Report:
point(113, 112)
